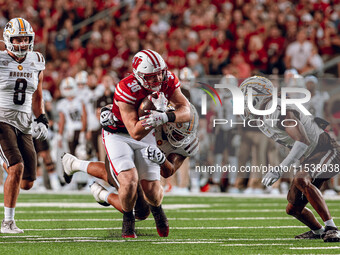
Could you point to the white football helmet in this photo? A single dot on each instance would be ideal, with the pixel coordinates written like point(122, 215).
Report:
point(18, 27)
point(150, 69)
point(228, 79)
point(81, 78)
point(262, 89)
point(68, 87)
point(180, 134)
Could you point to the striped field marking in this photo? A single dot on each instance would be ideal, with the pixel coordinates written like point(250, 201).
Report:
point(258, 244)
point(151, 219)
point(315, 248)
point(178, 228)
point(96, 205)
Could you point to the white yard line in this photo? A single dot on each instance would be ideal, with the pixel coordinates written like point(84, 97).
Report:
point(316, 248)
point(182, 219)
point(96, 205)
point(17, 236)
point(257, 244)
point(180, 228)
point(189, 242)
point(112, 210)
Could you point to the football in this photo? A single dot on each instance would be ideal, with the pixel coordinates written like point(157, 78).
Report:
point(147, 104)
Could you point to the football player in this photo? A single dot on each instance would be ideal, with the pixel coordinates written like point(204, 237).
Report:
point(126, 140)
point(175, 142)
point(21, 79)
point(313, 153)
point(72, 115)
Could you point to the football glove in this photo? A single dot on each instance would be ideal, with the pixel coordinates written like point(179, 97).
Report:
point(154, 119)
point(155, 155)
point(107, 118)
point(39, 130)
point(161, 103)
point(270, 178)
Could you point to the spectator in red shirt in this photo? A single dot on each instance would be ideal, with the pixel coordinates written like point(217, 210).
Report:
point(256, 55)
point(76, 52)
point(274, 45)
point(176, 56)
point(218, 52)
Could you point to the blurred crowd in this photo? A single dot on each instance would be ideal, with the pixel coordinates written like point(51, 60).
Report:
point(245, 35)
point(94, 42)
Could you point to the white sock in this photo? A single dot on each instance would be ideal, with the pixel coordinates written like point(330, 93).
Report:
point(80, 165)
point(54, 181)
point(39, 181)
point(9, 213)
point(103, 195)
point(330, 223)
point(319, 231)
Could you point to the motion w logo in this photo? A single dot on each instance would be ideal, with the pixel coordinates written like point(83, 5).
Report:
point(204, 97)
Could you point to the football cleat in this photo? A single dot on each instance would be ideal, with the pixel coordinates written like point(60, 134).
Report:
point(9, 227)
point(308, 235)
point(95, 190)
point(161, 220)
point(67, 160)
point(331, 234)
point(128, 229)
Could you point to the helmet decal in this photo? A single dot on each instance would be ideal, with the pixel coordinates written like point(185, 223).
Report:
point(136, 61)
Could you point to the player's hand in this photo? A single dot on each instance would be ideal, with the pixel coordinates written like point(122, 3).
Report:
point(161, 103)
point(154, 119)
point(270, 178)
point(39, 130)
point(154, 154)
point(107, 118)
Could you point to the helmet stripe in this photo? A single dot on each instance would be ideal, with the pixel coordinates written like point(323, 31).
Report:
point(21, 26)
point(154, 55)
point(152, 60)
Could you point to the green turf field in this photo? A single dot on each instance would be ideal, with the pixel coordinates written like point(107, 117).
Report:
point(75, 224)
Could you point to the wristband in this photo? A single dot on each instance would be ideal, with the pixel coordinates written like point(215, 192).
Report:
point(171, 116)
point(42, 119)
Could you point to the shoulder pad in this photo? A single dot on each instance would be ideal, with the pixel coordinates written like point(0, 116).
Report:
point(38, 59)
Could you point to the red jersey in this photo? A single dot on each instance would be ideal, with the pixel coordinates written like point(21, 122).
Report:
point(131, 92)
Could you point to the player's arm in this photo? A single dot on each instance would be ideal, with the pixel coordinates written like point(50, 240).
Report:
point(37, 99)
point(182, 106)
point(172, 163)
point(40, 130)
point(296, 131)
point(131, 122)
point(83, 118)
point(61, 127)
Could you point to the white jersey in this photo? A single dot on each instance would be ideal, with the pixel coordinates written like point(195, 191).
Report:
point(18, 82)
point(89, 98)
point(271, 129)
point(187, 150)
point(72, 110)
